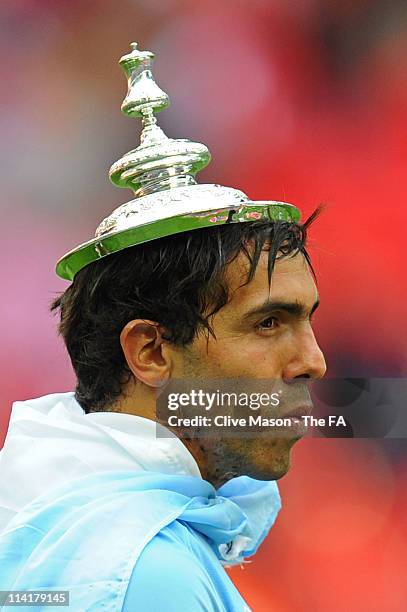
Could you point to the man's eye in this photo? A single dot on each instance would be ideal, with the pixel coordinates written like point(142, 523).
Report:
point(269, 323)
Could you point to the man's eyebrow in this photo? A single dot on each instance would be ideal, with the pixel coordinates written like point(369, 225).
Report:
point(295, 309)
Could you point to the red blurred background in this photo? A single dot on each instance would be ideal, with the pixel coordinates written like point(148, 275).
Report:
point(303, 101)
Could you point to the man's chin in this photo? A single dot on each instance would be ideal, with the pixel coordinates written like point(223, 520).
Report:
point(273, 472)
point(259, 458)
point(273, 462)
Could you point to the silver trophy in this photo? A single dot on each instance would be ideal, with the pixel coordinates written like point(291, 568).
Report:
point(161, 173)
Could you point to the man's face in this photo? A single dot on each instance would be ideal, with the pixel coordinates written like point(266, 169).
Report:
point(261, 333)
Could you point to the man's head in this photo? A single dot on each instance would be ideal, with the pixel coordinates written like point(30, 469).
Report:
point(232, 301)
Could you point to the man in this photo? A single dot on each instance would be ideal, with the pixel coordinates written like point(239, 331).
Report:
point(93, 500)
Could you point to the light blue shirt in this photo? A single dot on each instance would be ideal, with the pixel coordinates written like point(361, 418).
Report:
point(120, 536)
point(179, 571)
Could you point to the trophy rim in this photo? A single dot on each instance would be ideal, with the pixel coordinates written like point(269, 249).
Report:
point(112, 242)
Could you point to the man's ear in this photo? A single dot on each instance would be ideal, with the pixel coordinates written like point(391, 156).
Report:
point(145, 352)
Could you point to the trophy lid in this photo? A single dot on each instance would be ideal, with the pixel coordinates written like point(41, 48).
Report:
point(161, 173)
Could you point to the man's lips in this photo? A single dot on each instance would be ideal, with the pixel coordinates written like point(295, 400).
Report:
point(300, 411)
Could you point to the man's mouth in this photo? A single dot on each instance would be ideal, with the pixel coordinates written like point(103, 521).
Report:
point(298, 425)
point(299, 412)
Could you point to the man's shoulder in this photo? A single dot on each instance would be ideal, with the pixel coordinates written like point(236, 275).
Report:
point(170, 575)
point(175, 553)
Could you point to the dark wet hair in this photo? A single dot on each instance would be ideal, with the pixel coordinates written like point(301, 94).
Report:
point(177, 282)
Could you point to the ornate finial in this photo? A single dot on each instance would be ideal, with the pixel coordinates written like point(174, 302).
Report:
point(143, 94)
point(159, 163)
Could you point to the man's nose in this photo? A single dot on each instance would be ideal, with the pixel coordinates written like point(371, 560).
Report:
point(308, 359)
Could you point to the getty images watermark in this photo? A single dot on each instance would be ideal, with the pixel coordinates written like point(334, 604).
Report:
point(250, 408)
point(200, 399)
point(207, 400)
